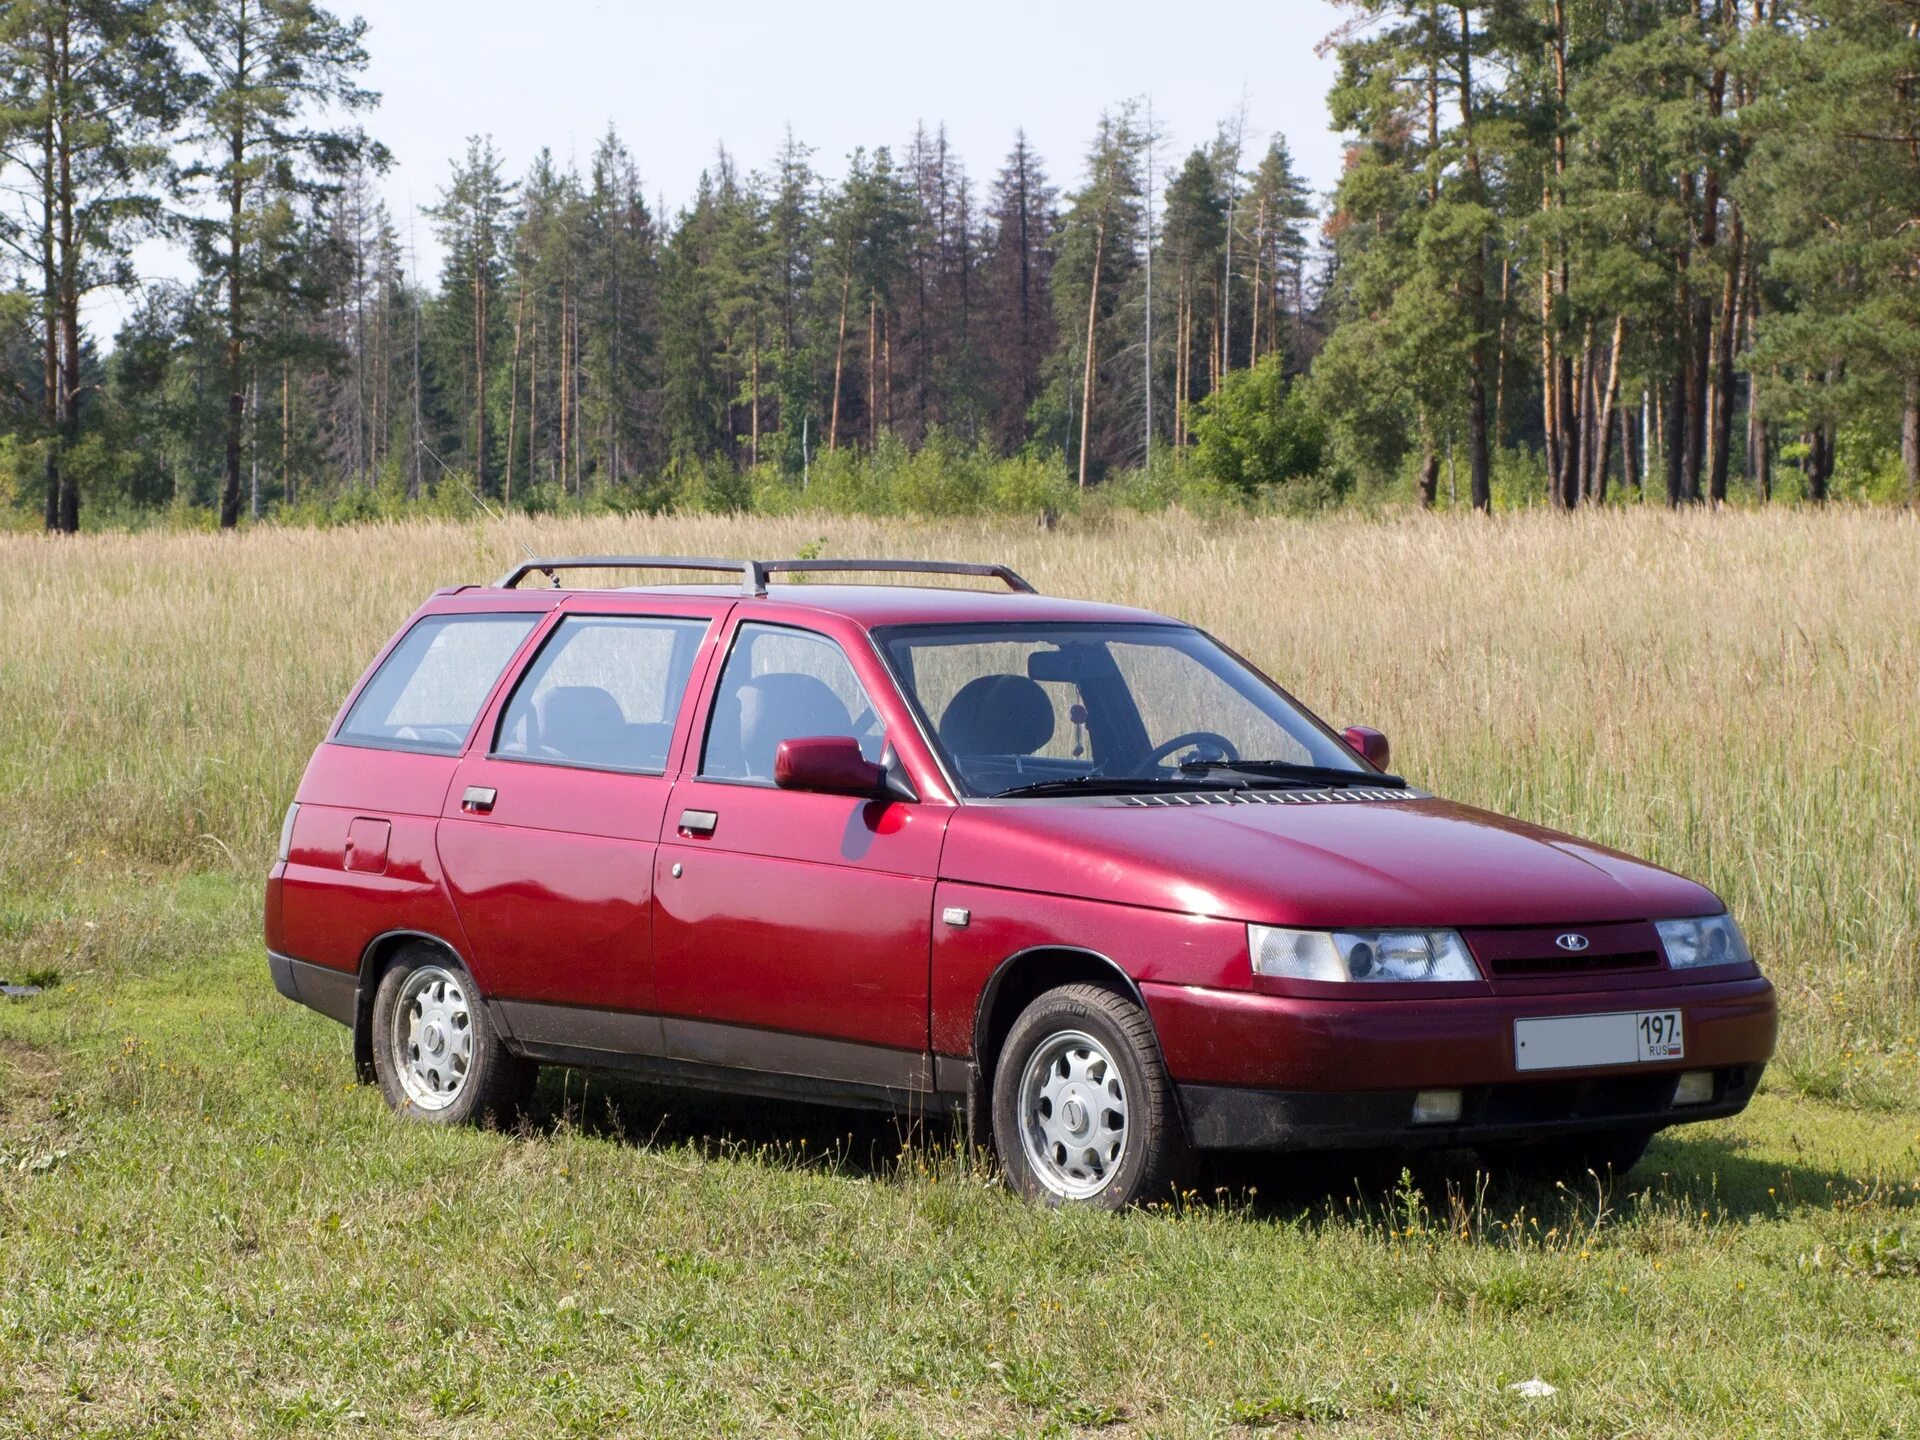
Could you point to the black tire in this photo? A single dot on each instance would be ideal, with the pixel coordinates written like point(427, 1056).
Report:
point(1153, 1158)
point(493, 1083)
point(1610, 1154)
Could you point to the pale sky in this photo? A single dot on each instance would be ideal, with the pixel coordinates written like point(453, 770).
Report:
point(680, 79)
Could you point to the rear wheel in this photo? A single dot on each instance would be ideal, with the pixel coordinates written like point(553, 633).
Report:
point(437, 1057)
point(1609, 1154)
point(1083, 1111)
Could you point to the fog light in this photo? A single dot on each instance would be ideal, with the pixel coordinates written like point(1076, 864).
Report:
point(1695, 1088)
point(1436, 1107)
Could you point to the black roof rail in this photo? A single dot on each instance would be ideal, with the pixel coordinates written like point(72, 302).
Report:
point(743, 568)
point(1001, 573)
point(753, 573)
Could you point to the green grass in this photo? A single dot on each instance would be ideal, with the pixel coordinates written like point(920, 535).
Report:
point(206, 1228)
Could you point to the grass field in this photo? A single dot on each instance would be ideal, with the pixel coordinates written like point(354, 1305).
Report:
point(206, 1229)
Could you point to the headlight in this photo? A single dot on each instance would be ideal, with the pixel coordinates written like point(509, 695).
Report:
point(286, 831)
point(1713, 940)
point(1339, 955)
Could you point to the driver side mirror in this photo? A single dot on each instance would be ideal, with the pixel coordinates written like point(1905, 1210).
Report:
point(831, 765)
point(1369, 744)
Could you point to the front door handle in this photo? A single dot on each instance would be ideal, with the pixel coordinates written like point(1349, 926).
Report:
point(698, 822)
point(479, 799)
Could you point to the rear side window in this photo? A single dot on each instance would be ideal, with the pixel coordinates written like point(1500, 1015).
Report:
point(604, 693)
point(427, 692)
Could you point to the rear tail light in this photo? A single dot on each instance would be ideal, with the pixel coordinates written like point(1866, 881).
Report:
point(286, 831)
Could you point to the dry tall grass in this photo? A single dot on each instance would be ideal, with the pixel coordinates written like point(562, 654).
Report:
point(1732, 695)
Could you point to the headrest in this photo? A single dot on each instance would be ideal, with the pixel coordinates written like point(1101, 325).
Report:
point(582, 722)
point(997, 715)
point(785, 706)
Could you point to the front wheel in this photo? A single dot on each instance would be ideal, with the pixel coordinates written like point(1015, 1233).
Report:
point(437, 1057)
point(1083, 1110)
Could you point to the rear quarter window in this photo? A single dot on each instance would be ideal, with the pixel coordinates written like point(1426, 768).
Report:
point(428, 691)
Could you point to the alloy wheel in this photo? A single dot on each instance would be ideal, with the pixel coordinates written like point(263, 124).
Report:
point(1073, 1114)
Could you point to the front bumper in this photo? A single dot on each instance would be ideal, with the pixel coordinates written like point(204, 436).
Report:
point(1258, 1071)
point(1225, 1117)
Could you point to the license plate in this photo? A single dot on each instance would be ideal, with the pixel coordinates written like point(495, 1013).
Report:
point(1571, 1042)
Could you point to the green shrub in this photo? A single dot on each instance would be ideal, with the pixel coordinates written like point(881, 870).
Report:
point(1257, 431)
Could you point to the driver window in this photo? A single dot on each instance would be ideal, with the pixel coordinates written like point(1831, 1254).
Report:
point(781, 684)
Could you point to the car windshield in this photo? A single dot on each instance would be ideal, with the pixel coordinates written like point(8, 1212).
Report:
point(1025, 708)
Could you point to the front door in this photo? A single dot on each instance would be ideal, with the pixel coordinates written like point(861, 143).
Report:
point(548, 833)
point(792, 928)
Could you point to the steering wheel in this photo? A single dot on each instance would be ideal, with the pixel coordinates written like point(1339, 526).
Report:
point(1227, 749)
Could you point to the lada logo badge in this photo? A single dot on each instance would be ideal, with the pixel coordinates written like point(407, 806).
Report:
point(1572, 941)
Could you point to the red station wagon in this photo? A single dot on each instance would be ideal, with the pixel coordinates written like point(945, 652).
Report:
point(1075, 870)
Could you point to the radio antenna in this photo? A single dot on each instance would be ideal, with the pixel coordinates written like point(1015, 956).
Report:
point(478, 498)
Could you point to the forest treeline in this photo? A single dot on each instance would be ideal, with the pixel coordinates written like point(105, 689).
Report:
point(1580, 252)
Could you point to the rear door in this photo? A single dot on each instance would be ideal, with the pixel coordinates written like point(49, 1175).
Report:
point(793, 928)
point(549, 830)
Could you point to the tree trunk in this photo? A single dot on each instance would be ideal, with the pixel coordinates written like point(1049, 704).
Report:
point(1723, 369)
point(873, 367)
point(236, 389)
point(1672, 434)
point(1549, 386)
point(1819, 462)
point(1910, 438)
point(1481, 457)
point(1629, 451)
point(50, 310)
point(564, 471)
point(1603, 427)
point(1086, 380)
point(513, 390)
point(839, 361)
point(1429, 482)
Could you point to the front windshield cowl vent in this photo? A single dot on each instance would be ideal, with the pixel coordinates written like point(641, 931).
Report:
point(1329, 795)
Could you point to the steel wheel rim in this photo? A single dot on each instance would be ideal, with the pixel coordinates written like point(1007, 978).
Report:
point(1073, 1114)
point(432, 1042)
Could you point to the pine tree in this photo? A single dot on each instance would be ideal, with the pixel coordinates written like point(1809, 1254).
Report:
point(1837, 184)
point(269, 64)
point(620, 282)
point(88, 91)
point(1016, 276)
point(1277, 206)
point(1193, 251)
point(473, 218)
point(1093, 283)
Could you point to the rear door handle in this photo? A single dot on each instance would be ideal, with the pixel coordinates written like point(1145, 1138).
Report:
point(698, 822)
point(479, 799)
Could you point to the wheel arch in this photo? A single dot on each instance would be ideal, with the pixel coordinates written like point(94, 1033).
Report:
point(380, 953)
point(1025, 975)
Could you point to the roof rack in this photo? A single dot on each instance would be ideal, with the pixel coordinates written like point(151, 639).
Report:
point(753, 573)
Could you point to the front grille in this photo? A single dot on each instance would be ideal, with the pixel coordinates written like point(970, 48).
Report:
point(1330, 795)
point(1587, 964)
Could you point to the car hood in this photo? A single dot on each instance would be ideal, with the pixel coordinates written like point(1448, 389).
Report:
point(1316, 861)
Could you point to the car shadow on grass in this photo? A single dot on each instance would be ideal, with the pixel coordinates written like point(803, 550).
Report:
point(1719, 1174)
point(1689, 1172)
point(858, 1143)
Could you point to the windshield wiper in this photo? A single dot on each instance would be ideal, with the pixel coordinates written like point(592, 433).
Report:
point(1287, 772)
point(1115, 785)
